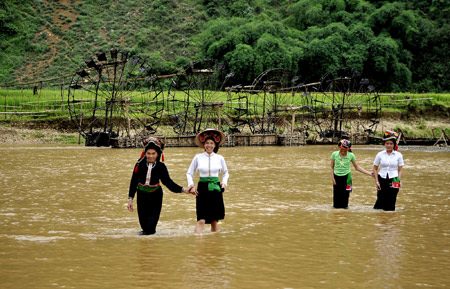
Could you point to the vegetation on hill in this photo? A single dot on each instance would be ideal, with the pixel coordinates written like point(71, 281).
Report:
point(402, 45)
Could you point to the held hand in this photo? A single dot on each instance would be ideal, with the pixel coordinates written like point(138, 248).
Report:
point(130, 205)
point(193, 191)
point(223, 186)
point(378, 186)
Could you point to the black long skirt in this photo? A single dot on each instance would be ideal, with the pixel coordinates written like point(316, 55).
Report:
point(149, 208)
point(340, 194)
point(209, 204)
point(386, 195)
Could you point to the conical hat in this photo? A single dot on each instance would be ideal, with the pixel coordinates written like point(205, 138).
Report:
point(217, 136)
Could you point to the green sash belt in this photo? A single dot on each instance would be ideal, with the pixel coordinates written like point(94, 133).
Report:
point(349, 182)
point(213, 183)
point(148, 188)
point(349, 179)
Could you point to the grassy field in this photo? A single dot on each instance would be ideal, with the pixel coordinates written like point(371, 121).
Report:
point(418, 115)
point(50, 102)
point(44, 117)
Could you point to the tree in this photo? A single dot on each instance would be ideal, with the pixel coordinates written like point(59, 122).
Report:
point(259, 42)
point(245, 62)
point(383, 64)
point(274, 53)
point(322, 56)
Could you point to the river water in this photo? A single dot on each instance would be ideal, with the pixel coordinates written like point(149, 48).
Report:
point(64, 223)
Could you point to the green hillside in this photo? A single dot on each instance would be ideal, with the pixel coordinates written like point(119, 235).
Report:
point(403, 45)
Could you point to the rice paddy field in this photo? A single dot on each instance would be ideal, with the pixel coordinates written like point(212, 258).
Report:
point(27, 104)
point(417, 114)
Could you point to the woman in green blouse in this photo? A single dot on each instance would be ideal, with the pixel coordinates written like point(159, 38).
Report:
point(341, 174)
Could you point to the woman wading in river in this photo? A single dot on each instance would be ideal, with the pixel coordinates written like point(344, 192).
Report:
point(148, 172)
point(341, 174)
point(387, 166)
point(209, 203)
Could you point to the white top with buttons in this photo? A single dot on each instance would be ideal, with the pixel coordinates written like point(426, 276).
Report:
point(208, 165)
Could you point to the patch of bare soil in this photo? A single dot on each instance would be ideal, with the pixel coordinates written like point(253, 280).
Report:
point(15, 135)
point(64, 16)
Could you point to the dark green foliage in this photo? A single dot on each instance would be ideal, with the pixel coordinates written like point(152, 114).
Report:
point(247, 47)
point(402, 45)
point(15, 35)
point(237, 8)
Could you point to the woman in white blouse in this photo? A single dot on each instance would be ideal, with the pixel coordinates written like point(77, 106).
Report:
point(387, 166)
point(209, 201)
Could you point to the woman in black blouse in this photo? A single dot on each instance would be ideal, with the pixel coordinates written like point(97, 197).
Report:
point(148, 172)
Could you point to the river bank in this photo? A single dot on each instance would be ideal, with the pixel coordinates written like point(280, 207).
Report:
point(11, 134)
point(61, 133)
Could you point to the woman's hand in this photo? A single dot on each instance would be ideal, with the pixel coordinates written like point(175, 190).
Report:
point(192, 190)
point(377, 185)
point(130, 205)
point(334, 181)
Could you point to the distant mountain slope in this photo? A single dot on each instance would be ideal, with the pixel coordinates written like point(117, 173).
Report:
point(403, 45)
point(49, 38)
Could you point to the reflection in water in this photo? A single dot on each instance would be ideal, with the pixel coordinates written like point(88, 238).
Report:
point(64, 223)
point(388, 248)
point(207, 265)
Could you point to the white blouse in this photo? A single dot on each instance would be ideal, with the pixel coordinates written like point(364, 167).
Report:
point(388, 163)
point(208, 165)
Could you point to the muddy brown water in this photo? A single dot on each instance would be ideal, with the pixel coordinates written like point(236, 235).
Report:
point(64, 223)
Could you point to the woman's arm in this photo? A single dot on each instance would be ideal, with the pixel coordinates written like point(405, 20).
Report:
point(168, 182)
point(133, 187)
point(375, 173)
point(332, 172)
point(134, 181)
point(191, 171)
point(401, 163)
point(400, 174)
point(225, 175)
point(360, 169)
